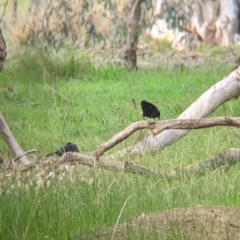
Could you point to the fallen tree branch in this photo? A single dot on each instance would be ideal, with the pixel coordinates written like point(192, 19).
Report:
point(229, 157)
point(120, 137)
point(51, 168)
point(71, 157)
point(10, 169)
point(224, 159)
point(159, 126)
point(209, 101)
point(12, 142)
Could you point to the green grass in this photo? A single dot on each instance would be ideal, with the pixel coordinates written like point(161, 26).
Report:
point(35, 105)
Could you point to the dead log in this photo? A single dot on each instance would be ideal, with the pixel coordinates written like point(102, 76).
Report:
point(12, 142)
point(73, 157)
point(216, 95)
point(224, 159)
point(52, 167)
point(159, 126)
point(229, 157)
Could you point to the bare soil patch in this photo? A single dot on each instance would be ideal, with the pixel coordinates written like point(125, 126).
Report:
point(200, 222)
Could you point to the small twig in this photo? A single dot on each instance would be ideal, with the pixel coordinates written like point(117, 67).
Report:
point(135, 106)
point(24, 154)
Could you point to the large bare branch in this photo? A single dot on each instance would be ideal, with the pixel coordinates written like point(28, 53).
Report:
point(160, 126)
point(110, 165)
point(11, 141)
point(209, 101)
point(224, 159)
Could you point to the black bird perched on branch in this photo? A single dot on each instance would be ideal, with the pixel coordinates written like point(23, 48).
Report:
point(69, 147)
point(149, 110)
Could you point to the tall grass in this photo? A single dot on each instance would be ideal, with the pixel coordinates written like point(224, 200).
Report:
point(35, 105)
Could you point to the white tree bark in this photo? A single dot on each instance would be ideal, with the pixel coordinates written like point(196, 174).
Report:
point(227, 22)
point(212, 21)
point(11, 141)
point(220, 92)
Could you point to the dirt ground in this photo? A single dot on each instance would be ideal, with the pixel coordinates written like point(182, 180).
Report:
point(217, 222)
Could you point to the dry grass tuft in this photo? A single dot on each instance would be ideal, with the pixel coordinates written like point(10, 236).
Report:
point(81, 23)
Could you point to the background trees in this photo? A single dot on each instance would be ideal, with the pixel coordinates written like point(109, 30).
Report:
point(184, 23)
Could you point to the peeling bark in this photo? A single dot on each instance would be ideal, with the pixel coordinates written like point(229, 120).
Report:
point(215, 22)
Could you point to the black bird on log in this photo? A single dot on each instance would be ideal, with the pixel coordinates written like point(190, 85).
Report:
point(149, 110)
point(69, 147)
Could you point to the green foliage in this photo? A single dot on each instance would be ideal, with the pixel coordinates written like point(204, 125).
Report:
point(36, 106)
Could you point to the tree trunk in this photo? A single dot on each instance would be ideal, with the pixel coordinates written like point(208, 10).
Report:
point(132, 38)
point(14, 12)
point(215, 22)
point(3, 52)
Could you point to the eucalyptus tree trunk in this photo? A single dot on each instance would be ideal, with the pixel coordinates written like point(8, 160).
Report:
point(3, 52)
point(13, 16)
point(215, 22)
point(132, 38)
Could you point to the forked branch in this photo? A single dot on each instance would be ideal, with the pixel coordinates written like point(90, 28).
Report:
point(158, 126)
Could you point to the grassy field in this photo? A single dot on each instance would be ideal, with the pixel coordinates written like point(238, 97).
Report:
point(47, 105)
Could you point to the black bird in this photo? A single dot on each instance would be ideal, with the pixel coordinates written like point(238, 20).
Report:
point(69, 147)
point(1, 161)
point(149, 110)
